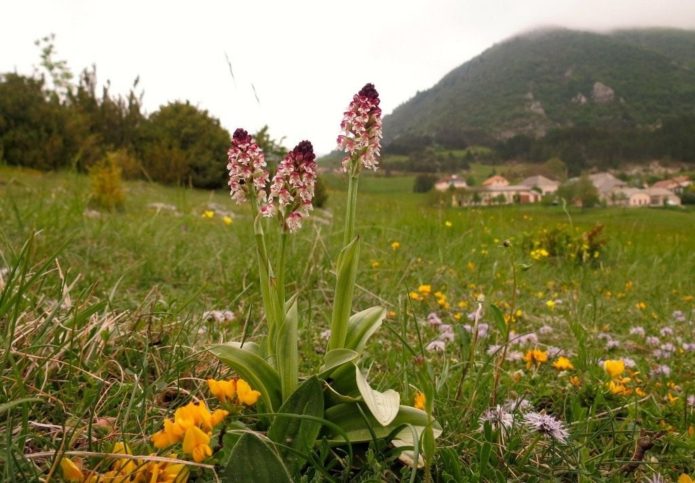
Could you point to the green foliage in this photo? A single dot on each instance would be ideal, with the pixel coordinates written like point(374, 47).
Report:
point(581, 192)
point(320, 193)
point(499, 94)
point(185, 145)
point(423, 183)
point(107, 187)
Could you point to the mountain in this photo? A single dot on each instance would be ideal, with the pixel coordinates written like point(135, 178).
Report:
point(554, 79)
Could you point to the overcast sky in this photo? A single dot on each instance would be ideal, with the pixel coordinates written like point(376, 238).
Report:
point(305, 58)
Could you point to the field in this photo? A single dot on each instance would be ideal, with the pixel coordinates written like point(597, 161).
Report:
point(105, 318)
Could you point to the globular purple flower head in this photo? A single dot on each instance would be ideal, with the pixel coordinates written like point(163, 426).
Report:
point(547, 425)
point(361, 131)
point(293, 185)
point(498, 417)
point(247, 169)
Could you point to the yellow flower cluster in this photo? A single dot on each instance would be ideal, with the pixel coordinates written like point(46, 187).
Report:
point(420, 401)
point(193, 425)
point(234, 390)
point(618, 385)
point(127, 470)
point(539, 254)
point(535, 357)
point(563, 364)
point(425, 290)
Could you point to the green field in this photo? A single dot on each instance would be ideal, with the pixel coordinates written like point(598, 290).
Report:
point(101, 324)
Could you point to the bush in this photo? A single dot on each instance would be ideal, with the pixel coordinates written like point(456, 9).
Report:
point(320, 193)
point(106, 185)
point(424, 183)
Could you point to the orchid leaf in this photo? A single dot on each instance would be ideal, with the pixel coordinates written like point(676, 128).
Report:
point(254, 460)
point(346, 271)
point(254, 369)
point(383, 405)
point(362, 325)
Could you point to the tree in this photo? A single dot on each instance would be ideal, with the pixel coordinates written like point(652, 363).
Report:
point(579, 192)
point(185, 145)
point(423, 183)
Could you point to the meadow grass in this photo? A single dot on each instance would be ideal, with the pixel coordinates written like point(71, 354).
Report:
point(103, 334)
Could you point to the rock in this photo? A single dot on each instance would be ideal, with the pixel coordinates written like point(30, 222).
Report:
point(602, 94)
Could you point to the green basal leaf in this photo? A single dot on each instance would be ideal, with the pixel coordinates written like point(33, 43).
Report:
point(254, 460)
point(362, 325)
point(346, 271)
point(254, 369)
point(299, 434)
point(348, 417)
point(287, 356)
point(383, 405)
point(336, 358)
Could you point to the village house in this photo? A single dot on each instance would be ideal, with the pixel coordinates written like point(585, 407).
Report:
point(450, 182)
point(542, 184)
point(629, 197)
point(676, 185)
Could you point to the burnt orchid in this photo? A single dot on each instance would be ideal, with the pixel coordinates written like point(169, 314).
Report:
point(361, 131)
point(248, 175)
point(293, 186)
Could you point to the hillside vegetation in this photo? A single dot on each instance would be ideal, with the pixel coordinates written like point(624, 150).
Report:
point(560, 85)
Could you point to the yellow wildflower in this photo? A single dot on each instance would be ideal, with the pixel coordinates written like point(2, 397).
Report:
point(535, 357)
point(375, 264)
point(208, 214)
point(425, 289)
point(539, 254)
point(196, 443)
point(391, 314)
point(671, 398)
point(222, 390)
point(563, 364)
point(683, 478)
point(471, 266)
point(448, 224)
point(640, 392)
point(641, 305)
point(619, 388)
point(575, 381)
point(395, 246)
point(550, 304)
point(420, 401)
point(71, 472)
point(227, 220)
point(614, 368)
point(245, 394)
point(415, 296)
point(163, 472)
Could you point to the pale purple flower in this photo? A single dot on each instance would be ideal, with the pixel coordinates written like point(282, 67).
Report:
point(668, 347)
point(678, 316)
point(498, 417)
point(527, 339)
point(629, 363)
point(660, 354)
point(662, 370)
point(325, 334)
point(434, 320)
point(612, 344)
point(638, 331)
point(518, 404)
point(603, 336)
point(445, 328)
point(651, 340)
point(247, 169)
point(547, 425)
point(554, 351)
point(689, 346)
point(447, 336)
point(546, 329)
point(691, 400)
point(492, 349)
point(436, 346)
point(361, 130)
point(482, 329)
point(293, 185)
point(666, 331)
point(656, 478)
point(513, 356)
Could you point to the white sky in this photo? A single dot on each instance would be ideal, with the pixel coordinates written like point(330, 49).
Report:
point(305, 58)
